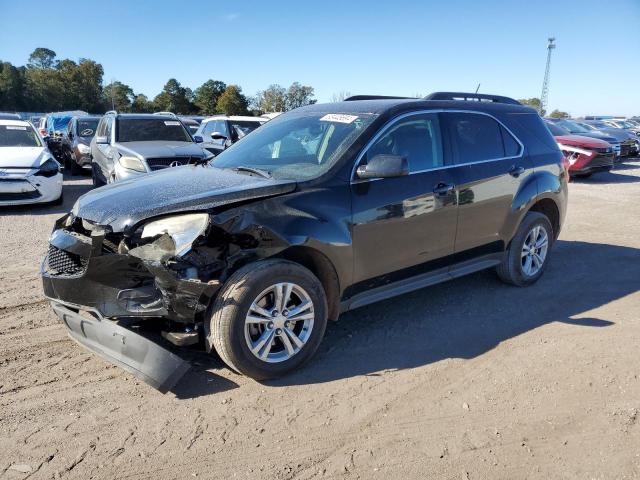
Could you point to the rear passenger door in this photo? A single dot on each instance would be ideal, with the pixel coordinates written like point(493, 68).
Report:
point(404, 226)
point(489, 168)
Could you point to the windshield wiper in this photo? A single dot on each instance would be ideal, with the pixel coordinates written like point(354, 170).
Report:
point(257, 171)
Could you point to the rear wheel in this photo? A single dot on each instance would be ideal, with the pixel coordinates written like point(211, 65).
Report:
point(527, 256)
point(268, 319)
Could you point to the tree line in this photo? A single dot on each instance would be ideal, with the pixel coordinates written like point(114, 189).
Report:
point(48, 84)
point(537, 104)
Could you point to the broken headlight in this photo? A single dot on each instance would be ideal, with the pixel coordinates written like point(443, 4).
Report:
point(183, 229)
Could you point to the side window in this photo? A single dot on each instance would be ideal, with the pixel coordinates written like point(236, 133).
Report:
point(221, 126)
point(511, 146)
point(475, 137)
point(108, 127)
point(417, 138)
point(100, 129)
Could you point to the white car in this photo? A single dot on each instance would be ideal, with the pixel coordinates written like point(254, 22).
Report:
point(28, 171)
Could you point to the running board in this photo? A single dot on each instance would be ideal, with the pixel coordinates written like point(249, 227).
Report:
point(421, 281)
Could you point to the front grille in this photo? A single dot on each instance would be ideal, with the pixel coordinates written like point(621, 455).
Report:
point(14, 197)
point(603, 150)
point(602, 161)
point(60, 262)
point(160, 163)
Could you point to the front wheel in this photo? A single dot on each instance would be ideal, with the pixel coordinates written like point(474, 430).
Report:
point(527, 256)
point(268, 319)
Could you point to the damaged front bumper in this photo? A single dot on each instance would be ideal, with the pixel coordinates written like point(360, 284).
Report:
point(79, 269)
point(138, 355)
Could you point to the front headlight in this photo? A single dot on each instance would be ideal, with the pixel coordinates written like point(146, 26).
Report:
point(132, 163)
point(82, 148)
point(183, 229)
point(49, 168)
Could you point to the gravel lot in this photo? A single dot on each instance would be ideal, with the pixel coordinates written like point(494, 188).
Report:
point(471, 379)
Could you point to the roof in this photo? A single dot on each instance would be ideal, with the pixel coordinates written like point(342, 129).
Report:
point(20, 123)
point(146, 116)
point(238, 118)
point(400, 104)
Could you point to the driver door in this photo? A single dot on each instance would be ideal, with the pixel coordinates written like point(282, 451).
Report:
point(404, 226)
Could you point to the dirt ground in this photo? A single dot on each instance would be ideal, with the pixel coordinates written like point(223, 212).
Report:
point(471, 379)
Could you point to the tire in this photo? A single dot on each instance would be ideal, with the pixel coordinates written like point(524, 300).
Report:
point(228, 332)
point(74, 167)
point(97, 181)
point(512, 270)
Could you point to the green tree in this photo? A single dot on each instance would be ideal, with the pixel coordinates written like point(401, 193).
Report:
point(534, 103)
point(299, 95)
point(174, 98)
point(232, 101)
point(42, 58)
point(206, 96)
point(141, 104)
point(559, 114)
point(273, 99)
point(118, 96)
point(12, 88)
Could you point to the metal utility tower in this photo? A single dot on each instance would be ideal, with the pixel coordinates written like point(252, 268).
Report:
point(545, 84)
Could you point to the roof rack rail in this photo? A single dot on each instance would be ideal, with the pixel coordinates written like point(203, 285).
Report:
point(171, 114)
point(374, 97)
point(474, 97)
point(115, 112)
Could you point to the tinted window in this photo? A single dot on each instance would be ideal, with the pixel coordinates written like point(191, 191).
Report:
point(87, 128)
point(475, 137)
point(511, 146)
point(417, 138)
point(148, 129)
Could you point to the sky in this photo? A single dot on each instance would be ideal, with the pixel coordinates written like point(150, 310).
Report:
point(363, 47)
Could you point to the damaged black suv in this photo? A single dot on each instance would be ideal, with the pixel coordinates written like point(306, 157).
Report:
point(323, 209)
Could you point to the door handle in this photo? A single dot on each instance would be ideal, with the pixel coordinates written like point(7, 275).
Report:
point(443, 189)
point(516, 171)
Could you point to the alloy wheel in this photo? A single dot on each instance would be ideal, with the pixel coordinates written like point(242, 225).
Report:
point(534, 250)
point(279, 322)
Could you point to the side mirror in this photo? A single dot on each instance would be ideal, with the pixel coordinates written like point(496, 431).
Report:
point(101, 139)
point(218, 136)
point(198, 139)
point(384, 166)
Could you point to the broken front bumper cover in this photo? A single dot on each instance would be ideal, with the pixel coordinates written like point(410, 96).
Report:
point(140, 356)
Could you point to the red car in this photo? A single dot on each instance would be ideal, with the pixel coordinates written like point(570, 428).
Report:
point(585, 155)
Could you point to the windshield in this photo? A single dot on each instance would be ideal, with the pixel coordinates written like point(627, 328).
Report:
point(599, 125)
point(87, 128)
point(573, 127)
point(150, 129)
point(296, 146)
point(18, 136)
point(556, 130)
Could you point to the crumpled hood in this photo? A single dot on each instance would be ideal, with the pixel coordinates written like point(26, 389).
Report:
point(21, 157)
point(187, 188)
point(162, 149)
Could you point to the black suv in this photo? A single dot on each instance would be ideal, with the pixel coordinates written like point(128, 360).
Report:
point(127, 145)
point(76, 143)
point(324, 209)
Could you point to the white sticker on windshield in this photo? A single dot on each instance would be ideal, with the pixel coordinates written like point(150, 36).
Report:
point(338, 117)
point(172, 123)
point(14, 127)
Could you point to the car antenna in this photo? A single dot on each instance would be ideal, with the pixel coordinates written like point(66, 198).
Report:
point(477, 88)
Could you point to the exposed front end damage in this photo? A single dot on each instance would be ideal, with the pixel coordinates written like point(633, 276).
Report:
point(135, 275)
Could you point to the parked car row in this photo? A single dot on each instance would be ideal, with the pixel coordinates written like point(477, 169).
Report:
point(593, 146)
